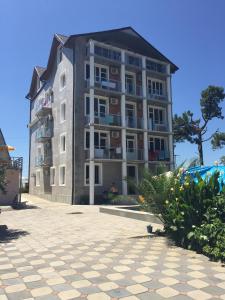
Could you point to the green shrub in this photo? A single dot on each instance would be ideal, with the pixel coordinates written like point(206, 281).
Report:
point(122, 200)
point(3, 181)
point(193, 212)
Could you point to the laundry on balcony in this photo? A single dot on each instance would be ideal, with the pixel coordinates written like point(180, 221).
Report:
point(108, 84)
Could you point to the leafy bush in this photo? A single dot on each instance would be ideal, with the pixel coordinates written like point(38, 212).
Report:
point(122, 200)
point(3, 181)
point(193, 212)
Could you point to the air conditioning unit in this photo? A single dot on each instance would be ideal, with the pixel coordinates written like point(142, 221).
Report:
point(115, 134)
point(114, 70)
point(114, 101)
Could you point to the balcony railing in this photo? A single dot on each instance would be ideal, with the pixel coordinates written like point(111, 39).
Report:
point(12, 162)
point(157, 127)
point(134, 122)
point(134, 90)
point(158, 155)
point(155, 67)
point(135, 154)
point(105, 153)
point(109, 54)
point(43, 107)
point(109, 119)
point(133, 61)
point(108, 85)
point(43, 134)
point(43, 161)
point(156, 96)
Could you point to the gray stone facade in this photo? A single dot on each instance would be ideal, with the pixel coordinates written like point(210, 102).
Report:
point(45, 148)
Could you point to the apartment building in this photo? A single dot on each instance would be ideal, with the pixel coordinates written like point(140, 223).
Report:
point(100, 112)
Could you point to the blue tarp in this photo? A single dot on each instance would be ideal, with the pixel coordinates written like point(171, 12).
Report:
point(206, 171)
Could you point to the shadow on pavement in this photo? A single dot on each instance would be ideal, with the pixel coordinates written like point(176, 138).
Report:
point(7, 235)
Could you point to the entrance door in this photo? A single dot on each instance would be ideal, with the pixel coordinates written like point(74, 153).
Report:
point(132, 179)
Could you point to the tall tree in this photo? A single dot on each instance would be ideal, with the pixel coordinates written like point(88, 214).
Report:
point(187, 128)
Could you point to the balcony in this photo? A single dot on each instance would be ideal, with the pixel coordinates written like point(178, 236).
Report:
point(12, 163)
point(158, 155)
point(134, 122)
point(156, 96)
point(43, 161)
point(43, 134)
point(132, 90)
point(133, 61)
point(105, 153)
point(43, 107)
point(135, 154)
point(106, 85)
point(110, 120)
point(155, 67)
point(107, 53)
point(157, 127)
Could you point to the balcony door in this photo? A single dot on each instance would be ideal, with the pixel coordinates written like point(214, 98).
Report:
point(130, 83)
point(132, 179)
point(131, 142)
point(156, 117)
point(131, 115)
point(157, 148)
point(100, 107)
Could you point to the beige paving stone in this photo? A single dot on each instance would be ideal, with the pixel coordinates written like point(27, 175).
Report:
point(25, 268)
point(9, 275)
point(145, 270)
point(141, 278)
point(197, 283)
point(3, 297)
point(70, 294)
point(130, 298)
point(77, 265)
point(196, 274)
point(6, 266)
point(167, 292)
point(41, 291)
point(54, 281)
point(105, 260)
point(220, 276)
point(81, 284)
point(151, 257)
point(171, 265)
point(136, 289)
point(198, 294)
point(45, 270)
point(98, 296)
point(121, 268)
point(172, 259)
point(168, 280)
point(99, 267)
point(32, 278)
point(111, 255)
point(115, 276)
point(126, 261)
point(100, 249)
point(37, 262)
point(67, 272)
point(170, 272)
point(221, 285)
point(108, 286)
point(92, 253)
point(66, 257)
point(57, 263)
point(18, 260)
point(91, 274)
point(148, 263)
point(195, 267)
point(51, 255)
point(15, 288)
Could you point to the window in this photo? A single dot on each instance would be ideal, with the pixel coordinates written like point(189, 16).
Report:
point(101, 139)
point(156, 144)
point(155, 87)
point(156, 67)
point(130, 143)
point(108, 53)
point(38, 178)
point(100, 106)
point(62, 175)
point(52, 176)
point(98, 174)
point(63, 112)
point(62, 80)
point(130, 83)
point(63, 143)
point(101, 73)
point(156, 115)
point(60, 54)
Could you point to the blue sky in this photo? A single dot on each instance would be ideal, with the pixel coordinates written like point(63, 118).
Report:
point(191, 33)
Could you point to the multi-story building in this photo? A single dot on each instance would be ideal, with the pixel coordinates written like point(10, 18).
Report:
point(100, 112)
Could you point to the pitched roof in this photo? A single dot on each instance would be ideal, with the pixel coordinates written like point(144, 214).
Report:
point(125, 37)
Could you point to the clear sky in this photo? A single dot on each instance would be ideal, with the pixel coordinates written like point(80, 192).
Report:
point(189, 32)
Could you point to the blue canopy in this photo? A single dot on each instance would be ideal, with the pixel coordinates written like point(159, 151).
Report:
point(206, 172)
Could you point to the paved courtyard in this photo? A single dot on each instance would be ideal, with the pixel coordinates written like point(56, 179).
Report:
point(56, 251)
